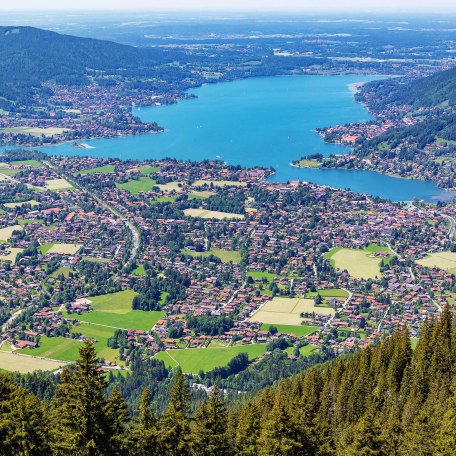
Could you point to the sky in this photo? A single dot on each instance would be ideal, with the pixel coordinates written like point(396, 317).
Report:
point(362, 6)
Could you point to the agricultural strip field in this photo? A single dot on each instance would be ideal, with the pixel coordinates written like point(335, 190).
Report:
point(225, 255)
point(7, 232)
point(169, 187)
point(442, 260)
point(328, 293)
point(144, 184)
point(35, 131)
point(24, 364)
point(358, 263)
point(219, 183)
point(206, 214)
point(32, 163)
point(193, 360)
point(145, 170)
point(57, 184)
point(64, 249)
point(106, 169)
point(296, 330)
point(287, 311)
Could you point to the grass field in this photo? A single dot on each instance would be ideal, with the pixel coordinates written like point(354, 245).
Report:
point(35, 131)
point(32, 163)
point(6, 233)
point(44, 248)
point(63, 249)
point(358, 263)
point(328, 293)
point(144, 184)
point(115, 310)
point(169, 187)
point(297, 330)
point(201, 195)
point(24, 364)
point(225, 255)
point(21, 203)
point(145, 170)
point(219, 183)
point(139, 271)
point(13, 252)
point(101, 334)
point(203, 213)
point(287, 311)
point(304, 351)
point(59, 348)
point(193, 360)
point(309, 163)
point(442, 260)
point(106, 169)
point(57, 184)
point(269, 276)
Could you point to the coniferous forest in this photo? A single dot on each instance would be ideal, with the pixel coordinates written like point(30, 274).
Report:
point(387, 400)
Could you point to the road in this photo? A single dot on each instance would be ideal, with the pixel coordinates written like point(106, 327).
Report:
point(345, 304)
point(452, 228)
point(11, 319)
point(133, 229)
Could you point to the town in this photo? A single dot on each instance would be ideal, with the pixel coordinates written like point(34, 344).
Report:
point(194, 263)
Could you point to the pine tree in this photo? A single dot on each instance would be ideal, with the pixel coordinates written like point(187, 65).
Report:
point(118, 418)
point(80, 420)
point(145, 440)
point(23, 427)
point(248, 430)
point(209, 436)
point(281, 433)
point(446, 439)
point(175, 427)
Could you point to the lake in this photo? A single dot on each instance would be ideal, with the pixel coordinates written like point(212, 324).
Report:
point(265, 122)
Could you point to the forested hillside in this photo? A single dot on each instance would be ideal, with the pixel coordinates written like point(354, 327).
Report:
point(389, 400)
point(30, 56)
point(428, 91)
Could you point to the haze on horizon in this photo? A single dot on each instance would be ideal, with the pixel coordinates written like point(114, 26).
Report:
point(326, 6)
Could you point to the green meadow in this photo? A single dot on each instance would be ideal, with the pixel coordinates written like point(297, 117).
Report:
point(193, 360)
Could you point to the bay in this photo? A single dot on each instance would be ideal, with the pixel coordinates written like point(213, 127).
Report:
point(261, 122)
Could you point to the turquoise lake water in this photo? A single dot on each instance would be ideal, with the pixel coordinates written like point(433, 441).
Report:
point(261, 121)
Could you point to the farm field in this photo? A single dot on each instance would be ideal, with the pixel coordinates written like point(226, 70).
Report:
point(144, 184)
point(99, 169)
point(225, 255)
point(219, 183)
point(59, 348)
point(24, 364)
point(206, 214)
point(358, 263)
point(297, 330)
point(114, 310)
point(64, 249)
point(442, 260)
point(11, 256)
point(57, 184)
point(7, 232)
point(21, 203)
point(287, 311)
point(193, 360)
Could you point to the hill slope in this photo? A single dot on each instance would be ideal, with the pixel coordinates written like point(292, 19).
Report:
point(30, 56)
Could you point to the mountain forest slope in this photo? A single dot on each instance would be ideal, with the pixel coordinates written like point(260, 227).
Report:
point(387, 400)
